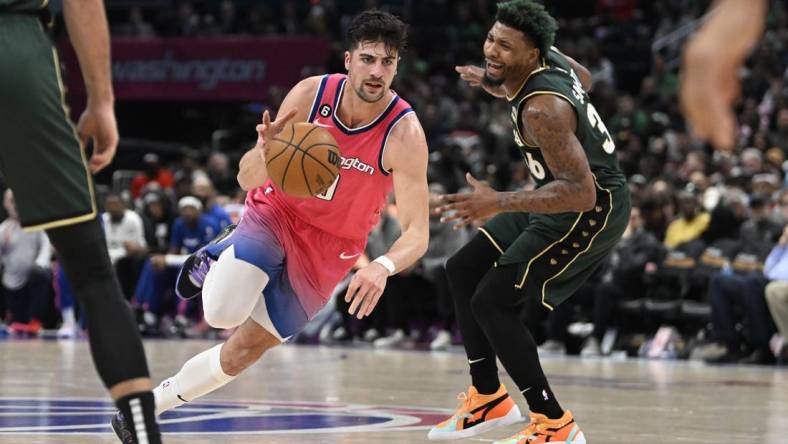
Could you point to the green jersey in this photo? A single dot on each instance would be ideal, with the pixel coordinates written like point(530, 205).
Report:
point(557, 78)
point(22, 5)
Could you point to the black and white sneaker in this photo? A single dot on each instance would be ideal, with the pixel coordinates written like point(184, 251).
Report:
point(193, 272)
point(118, 423)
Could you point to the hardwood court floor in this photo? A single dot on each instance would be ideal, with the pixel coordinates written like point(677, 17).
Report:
point(316, 395)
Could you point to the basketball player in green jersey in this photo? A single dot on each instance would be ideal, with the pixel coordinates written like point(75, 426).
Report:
point(43, 161)
point(540, 245)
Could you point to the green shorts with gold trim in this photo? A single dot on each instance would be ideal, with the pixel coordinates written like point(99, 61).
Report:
point(557, 253)
point(41, 157)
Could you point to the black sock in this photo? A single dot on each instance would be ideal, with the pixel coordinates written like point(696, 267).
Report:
point(541, 400)
point(484, 374)
point(139, 412)
point(464, 271)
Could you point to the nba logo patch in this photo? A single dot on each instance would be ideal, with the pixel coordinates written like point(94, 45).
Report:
point(325, 110)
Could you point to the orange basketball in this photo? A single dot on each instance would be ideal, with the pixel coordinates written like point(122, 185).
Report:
point(303, 160)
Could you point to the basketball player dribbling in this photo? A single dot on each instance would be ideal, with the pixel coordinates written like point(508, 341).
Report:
point(273, 272)
point(540, 244)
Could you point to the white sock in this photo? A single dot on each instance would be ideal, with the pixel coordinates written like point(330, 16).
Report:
point(200, 375)
point(68, 316)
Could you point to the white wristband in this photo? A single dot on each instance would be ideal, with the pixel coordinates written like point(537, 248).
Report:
point(387, 263)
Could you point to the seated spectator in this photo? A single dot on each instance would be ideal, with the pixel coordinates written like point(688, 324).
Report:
point(222, 177)
point(154, 172)
point(777, 291)
point(157, 218)
point(190, 231)
point(203, 189)
point(690, 224)
point(745, 290)
point(759, 227)
point(126, 244)
point(444, 241)
point(26, 259)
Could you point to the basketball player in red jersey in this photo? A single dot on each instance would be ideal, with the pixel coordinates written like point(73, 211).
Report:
point(273, 272)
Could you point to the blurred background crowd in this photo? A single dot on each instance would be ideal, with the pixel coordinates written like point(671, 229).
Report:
point(699, 274)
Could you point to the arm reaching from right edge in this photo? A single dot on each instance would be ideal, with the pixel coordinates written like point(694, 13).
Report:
point(710, 69)
point(252, 172)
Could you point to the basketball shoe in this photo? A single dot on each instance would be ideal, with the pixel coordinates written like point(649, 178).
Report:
point(188, 285)
point(477, 414)
point(120, 428)
point(542, 430)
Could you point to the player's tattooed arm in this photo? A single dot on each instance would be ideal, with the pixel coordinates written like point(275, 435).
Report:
point(551, 122)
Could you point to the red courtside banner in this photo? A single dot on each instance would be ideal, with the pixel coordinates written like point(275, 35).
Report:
point(202, 68)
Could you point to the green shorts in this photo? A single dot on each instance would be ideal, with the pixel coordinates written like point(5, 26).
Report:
point(557, 253)
point(41, 157)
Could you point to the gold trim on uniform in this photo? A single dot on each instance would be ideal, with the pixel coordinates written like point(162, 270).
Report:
point(528, 267)
point(544, 67)
point(489, 236)
point(93, 212)
point(575, 245)
point(591, 242)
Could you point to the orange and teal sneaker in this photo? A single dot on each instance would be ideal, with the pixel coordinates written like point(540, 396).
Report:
point(542, 429)
point(477, 414)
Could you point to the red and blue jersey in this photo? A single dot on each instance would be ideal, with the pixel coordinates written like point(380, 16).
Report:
point(322, 236)
point(351, 207)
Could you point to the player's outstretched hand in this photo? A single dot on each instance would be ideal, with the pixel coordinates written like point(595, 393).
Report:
point(365, 289)
point(98, 124)
point(710, 84)
point(267, 130)
point(474, 75)
point(465, 208)
point(709, 89)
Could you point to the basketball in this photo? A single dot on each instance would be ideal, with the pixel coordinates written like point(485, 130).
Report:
point(303, 160)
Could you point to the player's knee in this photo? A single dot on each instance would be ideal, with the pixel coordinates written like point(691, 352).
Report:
point(83, 252)
point(222, 315)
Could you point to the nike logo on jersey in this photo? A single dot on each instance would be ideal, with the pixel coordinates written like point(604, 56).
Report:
point(342, 255)
point(476, 360)
point(321, 124)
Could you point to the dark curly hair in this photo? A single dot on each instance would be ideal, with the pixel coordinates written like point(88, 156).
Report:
point(532, 19)
point(378, 26)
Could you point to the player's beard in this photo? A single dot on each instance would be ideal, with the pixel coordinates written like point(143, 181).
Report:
point(489, 81)
point(363, 95)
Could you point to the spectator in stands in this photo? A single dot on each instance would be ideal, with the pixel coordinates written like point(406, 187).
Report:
point(729, 290)
point(690, 224)
point(26, 259)
point(157, 218)
point(126, 243)
point(154, 172)
point(444, 241)
point(203, 189)
point(776, 270)
point(759, 227)
point(727, 216)
point(190, 231)
point(222, 177)
point(136, 27)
